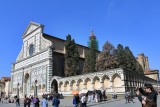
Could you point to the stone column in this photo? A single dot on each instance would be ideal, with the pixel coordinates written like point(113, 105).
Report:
point(84, 86)
point(71, 87)
point(101, 85)
point(111, 86)
point(92, 86)
point(59, 88)
point(77, 87)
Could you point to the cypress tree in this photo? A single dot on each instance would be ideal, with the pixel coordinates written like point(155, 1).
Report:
point(121, 56)
point(131, 64)
point(90, 60)
point(71, 57)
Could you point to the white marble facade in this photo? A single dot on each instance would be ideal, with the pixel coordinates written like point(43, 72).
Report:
point(109, 80)
point(34, 63)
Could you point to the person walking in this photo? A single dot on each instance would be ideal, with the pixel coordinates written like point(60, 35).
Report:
point(75, 101)
point(37, 102)
point(25, 101)
point(84, 101)
point(44, 102)
point(28, 102)
point(34, 100)
point(55, 102)
point(127, 97)
point(17, 102)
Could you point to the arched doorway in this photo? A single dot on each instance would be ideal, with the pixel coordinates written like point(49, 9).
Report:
point(54, 86)
point(26, 84)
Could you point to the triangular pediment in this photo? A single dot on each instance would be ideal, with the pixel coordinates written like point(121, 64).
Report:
point(31, 28)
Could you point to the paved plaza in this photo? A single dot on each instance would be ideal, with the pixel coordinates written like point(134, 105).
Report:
point(110, 103)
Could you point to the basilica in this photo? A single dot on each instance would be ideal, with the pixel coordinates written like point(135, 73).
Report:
point(39, 69)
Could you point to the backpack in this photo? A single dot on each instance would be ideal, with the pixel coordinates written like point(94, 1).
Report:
point(56, 101)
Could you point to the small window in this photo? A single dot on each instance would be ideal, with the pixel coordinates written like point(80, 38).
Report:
point(31, 49)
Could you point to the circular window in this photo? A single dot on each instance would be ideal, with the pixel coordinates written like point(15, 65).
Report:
point(31, 50)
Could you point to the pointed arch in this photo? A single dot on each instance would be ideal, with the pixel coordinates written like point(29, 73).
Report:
point(116, 79)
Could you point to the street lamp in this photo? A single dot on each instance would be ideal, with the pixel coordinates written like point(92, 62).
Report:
point(35, 88)
point(18, 90)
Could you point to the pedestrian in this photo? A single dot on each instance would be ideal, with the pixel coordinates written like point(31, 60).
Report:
point(84, 100)
point(104, 94)
point(75, 101)
point(127, 97)
point(37, 102)
point(150, 96)
point(34, 101)
point(44, 102)
point(17, 102)
point(25, 101)
point(28, 102)
point(56, 101)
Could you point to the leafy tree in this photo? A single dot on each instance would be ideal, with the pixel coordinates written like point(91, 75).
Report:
point(106, 59)
point(71, 57)
point(108, 47)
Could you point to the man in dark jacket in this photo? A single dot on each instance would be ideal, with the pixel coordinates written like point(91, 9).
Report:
point(150, 95)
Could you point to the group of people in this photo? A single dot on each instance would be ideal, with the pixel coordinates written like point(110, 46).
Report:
point(36, 102)
point(80, 100)
point(91, 96)
point(6, 100)
point(147, 96)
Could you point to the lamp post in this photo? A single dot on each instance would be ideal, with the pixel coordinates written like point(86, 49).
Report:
point(18, 90)
point(35, 88)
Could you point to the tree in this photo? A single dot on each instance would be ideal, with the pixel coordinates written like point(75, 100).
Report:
point(130, 59)
point(90, 60)
point(106, 59)
point(108, 47)
point(93, 42)
point(120, 55)
point(71, 57)
point(92, 56)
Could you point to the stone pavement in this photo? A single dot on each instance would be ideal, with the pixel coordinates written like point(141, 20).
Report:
point(109, 103)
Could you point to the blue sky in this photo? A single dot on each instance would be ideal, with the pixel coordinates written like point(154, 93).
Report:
point(133, 23)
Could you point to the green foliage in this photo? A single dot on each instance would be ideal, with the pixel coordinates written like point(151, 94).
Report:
point(92, 56)
point(121, 57)
point(106, 59)
point(71, 57)
point(90, 60)
point(94, 42)
point(131, 61)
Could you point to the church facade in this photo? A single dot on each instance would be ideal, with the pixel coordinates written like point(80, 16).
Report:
point(39, 68)
point(40, 58)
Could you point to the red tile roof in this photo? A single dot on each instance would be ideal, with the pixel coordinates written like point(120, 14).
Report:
point(6, 79)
